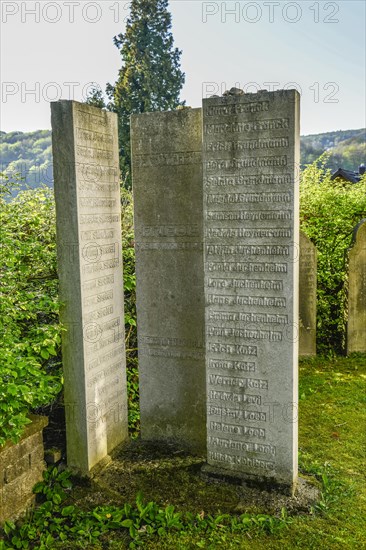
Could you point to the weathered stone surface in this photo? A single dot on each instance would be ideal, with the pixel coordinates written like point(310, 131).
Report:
point(307, 296)
point(21, 467)
point(251, 236)
point(356, 330)
point(85, 155)
point(167, 185)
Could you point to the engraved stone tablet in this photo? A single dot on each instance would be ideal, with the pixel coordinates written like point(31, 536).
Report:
point(85, 155)
point(356, 331)
point(307, 296)
point(167, 185)
point(251, 236)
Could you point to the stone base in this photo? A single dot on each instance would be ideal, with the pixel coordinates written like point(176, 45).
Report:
point(93, 472)
point(21, 467)
point(239, 478)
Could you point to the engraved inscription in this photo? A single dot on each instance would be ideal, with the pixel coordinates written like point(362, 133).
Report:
point(93, 137)
point(233, 300)
point(100, 266)
point(271, 335)
point(231, 349)
point(216, 395)
point(170, 230)
point(98, 298)
point(167, 159)
point(238, 382)
point(249, 126)
point(99, 218)
point(242, 446)
point(105, 358)
point(244, 431)
point(92, 202)
point(101, 281)
point(249, 144)
point(88, 208)
point(251, 179)
point(168, 246)
point(262, 318)
point(243, 366)
point(237, 414)
point(249, 250)
point(237, 109)
point(247, 267)
point(239, 198)
point(244, 215)
point(253, 284)
point(242, 232)
point(98, 314)
point(250, 225)
point(255, 162)
point(241, 461)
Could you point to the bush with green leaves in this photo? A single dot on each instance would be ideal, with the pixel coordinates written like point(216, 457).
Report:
point(58, 523)
point(329, 212)
point(30, 355)
point(129, 284)
point(30, 332)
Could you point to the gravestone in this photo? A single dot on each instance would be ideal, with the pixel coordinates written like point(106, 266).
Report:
point(307, 296)
point(88, 217)
point(356, 328)
point(251, 236)
point(167, 186)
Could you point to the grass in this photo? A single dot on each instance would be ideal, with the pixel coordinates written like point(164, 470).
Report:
point(332, 451)
point(332, 436)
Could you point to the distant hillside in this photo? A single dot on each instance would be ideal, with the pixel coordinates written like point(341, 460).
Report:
point(348, 148)
point(30, 154)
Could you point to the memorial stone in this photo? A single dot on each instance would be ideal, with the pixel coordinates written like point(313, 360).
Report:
point(167, 186)
point(307, 296)
point(88, 217)
point(356, 329)
point(251, 236)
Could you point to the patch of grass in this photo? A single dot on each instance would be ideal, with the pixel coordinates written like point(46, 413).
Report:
point(180, 510)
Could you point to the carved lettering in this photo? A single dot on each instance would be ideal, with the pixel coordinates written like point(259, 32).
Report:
point(254, 126)
point(239, 198)
point(254, 162)
point(232, 300)
point(253, 284)
point(238, 108)
point(249, 144)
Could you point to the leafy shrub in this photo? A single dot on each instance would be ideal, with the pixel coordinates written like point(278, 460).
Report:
point(129, 284)
point(30, 333)
point(329, 211)
point(30, 357)
point(58, 521)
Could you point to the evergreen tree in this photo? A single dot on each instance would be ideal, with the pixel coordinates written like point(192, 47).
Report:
point(150, 78)
point(96, 98)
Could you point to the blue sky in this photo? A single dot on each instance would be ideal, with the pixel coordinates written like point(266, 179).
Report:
point(52, 50)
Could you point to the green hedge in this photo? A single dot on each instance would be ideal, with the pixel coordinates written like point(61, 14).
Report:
point(30, 354)
point(30, 374)
point(329, 211)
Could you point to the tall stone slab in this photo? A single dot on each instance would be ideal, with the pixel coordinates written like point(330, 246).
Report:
point(356, 329)
point(307, 296)
point(85, 156)
point(251, 236)
point(167, 186)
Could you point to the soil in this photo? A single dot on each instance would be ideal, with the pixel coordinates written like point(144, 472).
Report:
point(169, 476)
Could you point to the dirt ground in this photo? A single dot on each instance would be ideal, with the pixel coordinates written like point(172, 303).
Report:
point(168, 476)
